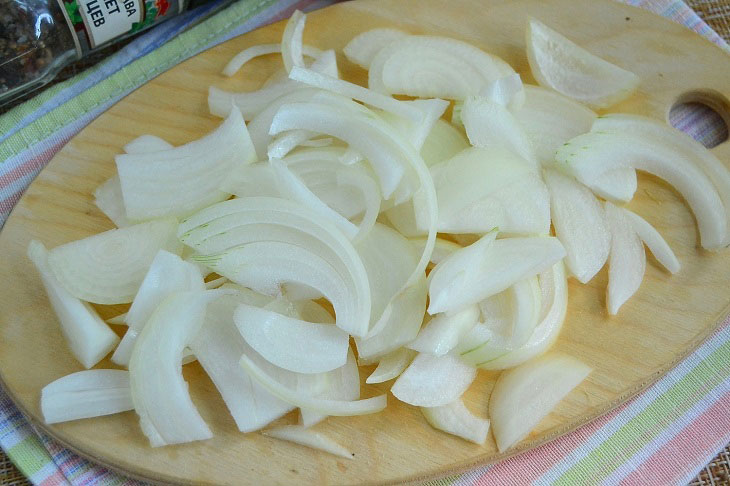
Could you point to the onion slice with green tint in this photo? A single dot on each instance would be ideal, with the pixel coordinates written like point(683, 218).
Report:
point(108, 267)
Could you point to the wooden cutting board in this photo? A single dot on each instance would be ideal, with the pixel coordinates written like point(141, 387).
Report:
point(666, 319)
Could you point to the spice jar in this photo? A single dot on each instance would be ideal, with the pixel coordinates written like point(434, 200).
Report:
point(39, 37)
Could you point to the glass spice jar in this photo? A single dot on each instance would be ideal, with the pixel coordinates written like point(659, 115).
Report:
point(39, 37)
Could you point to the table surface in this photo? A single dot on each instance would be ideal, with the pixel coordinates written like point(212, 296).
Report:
point(717, 15)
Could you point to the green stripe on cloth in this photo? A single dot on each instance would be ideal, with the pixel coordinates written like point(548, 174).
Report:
point(132, 75)
point(640, 430)
point(29, 455)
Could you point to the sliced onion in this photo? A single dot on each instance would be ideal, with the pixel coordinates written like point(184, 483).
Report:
point(179, 181)
point(160, 394)
point(147, 143)
point(318, 80)
point(507, 91)
point(488, 267)
point(218, 347)
point(291, 41)
point(533, 389)
point(580, 225)
point(292, 344)
point(443, 142)
point(560, 64)
point(488, 123)
point(85, 394)
point(483, 188)
point(417, 133)
point(679, 141)
point(303, 436)
point(441, 250)
point(363, 48)
point(617, 185)
point(554, 287)
point(434, 67)
point(590, 155)
point(167, 274)
point(108, 198)
point(391, 365)
point(654, 241)
point(108, 268)
point(286, 142)
point(343, 383)
point(88, 337)
point(325, 406)
point(433, 381)
point(550, 119)
point(443, 331)
point(627, 262)
point(252, 181)
point(454, 418)
point(237, 62)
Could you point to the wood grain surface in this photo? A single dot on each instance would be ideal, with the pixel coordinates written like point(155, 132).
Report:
point(666, 319)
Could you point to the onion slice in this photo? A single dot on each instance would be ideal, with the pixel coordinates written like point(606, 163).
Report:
point(160, 394)
point(238, 61)
point(533, 389)
point(291, 41)
point(86, 394)
point(627, 262)
point(454, 418)
point(391, 365)
point(325, 406)
point(433, 381)
point(363, 48)
point(654, 241)
point(108, 267)
point(303, 436)
point(443, 331)
point(442, 142)
point(147, 143)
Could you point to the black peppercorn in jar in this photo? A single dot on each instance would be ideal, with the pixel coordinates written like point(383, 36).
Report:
point(39, 37)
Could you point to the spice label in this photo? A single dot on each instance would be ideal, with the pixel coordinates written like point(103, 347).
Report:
point(95, 22)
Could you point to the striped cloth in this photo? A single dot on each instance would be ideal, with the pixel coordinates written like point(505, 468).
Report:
point(663, 436)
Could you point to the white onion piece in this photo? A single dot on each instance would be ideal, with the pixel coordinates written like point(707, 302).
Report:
point(416, 132)
point(181, 180)
point(218, 347)
point(147, 143)
point(324, 406)
point(389, 155)
point(678, 141)
point(443, 331)
point(388, 259)
point(590, 155)
point(238, 61)
point(303, 436)
point(363, 48)
point(108, 198)
point(483, 188)
point(159, 391)
point(432, 381)
point(488, 267)
point(343, 383)
point(288, 141)
point(252, 181)
point(550, 119)
point(251, 103)
point(533, 389)
point(441, 250)
point(434, 67)
point(86, 394)
point(443, 142)
point(312, 311)
point(454, 418)
point(291, 41)
point(399, 326)
point(560, 64)
point(391, 365)
point(488, 123)
point(627, 262)
point(654, 241)
point(617, 185)
point(554, 287)
point(292, 344)
point(507, 91)
point(295, 189)
point(166, 275)
point(88, 337)
point(108, 267)
point(580, 225)
point(378, 100)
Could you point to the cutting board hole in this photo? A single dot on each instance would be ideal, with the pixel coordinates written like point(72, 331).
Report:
point(702, 115)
